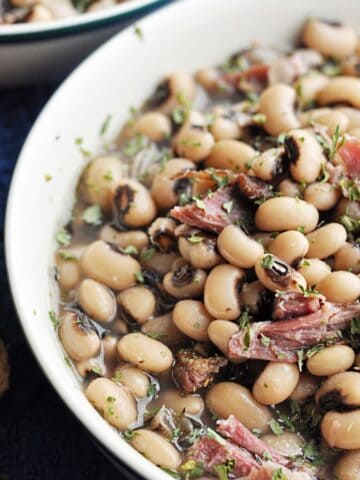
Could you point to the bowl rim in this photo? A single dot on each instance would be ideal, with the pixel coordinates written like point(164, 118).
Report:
point(126, 11)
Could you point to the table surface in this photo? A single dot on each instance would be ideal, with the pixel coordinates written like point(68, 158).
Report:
point(39, 437)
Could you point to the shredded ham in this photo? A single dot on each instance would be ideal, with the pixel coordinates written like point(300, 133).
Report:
point(349, 153)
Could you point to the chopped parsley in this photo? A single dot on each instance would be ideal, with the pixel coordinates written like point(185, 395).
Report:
point(278, 474)
point(68, 361)
point(67, 256)
point(152, 390)
point(183, 100)
point(97, 370)
point(300, 355)
point(315, 349)
point(53, 319)
point(148, 253)
point(129, 434)
point(130, 250)
point(139, 276)
point(110, 407)
point(304, 263)
point(355, 326)
point(135, 145)
point(267, 262)
point(259, 118)
point(337, 141)
point(301, 229)
point(179, 115)
point(105, 125)
point(108, 175)
point(195, 239)
point(309, 292)
point(222, 470)
point(247, 336)
point(199, 203)
point(351, 188)
point(275, 427)
point(266, 341)
point(191, 469)
point(63, 237)
point(244, 318)
point(93, 215)
point(324, 174)
point(118, 377)
point(350, 224)
point(221, 181)
point(47, 177)
point(138, 32)
point(227, 206)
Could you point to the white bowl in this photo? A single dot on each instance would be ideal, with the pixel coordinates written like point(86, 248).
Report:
point(186, 35)
point(48, 51)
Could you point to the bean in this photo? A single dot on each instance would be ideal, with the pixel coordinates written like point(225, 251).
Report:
point(99, 179)
point(340, 391)
point(194, 142)
point(277, 104)
point(78, 336)
point(164, 329)
point(109, 343)
point(179, 86)
point(134, 238)
point(288, 444)
point(145, 352)
point(276, 383)
point(267, 164)
point(334, 121)
point(326, 240)
point(286, 213)
point(331, 360)
point(208, 78)
point(113, 402)
point(224, 128)
point(349, 208)
point(353, 115)
point(109, 267)
point(154, 125)
point(310, 116)
point(161, 263)
point(180, 403)
point(254, 297)
point(309, 86)
point(68, 272)
point(156, 449)
point(340, 287)
point(90, 366)
point(185, 282)
point(331, 40)
point(305, 155)
point(220, 332)
point(313, 270)
point(354, 132)
point(322, 195)
point(228, 398)
point(290, 246)
point(230, 154)
point(341, 90)
point(192, 318)
point(306, 387)
point(276, 274)
point(347, 467)
point(138, 303)
point(342, 430)
point(348, 258)
point(264, 238)
point(133, 204)
point(96, 300)
point(237, 248)
point(165, 188)
point(134, 379)
point(221, 293)
point(162, 234)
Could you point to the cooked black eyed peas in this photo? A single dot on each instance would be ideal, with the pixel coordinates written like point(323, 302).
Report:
point(212, 265)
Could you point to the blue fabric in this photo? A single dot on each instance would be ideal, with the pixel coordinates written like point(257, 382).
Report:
point(39, 438)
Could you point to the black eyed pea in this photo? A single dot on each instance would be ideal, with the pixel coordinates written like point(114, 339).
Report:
point(134, 379)
point(288, 444)
point(340, 391)
point(286, 213)
point(326, 241)
point(78, 336)
point(277, 103)
point(201, 253)
point(97, 300)
point(322, 195)
point(192, 319)
point(114, 402)
point(228, 398)
point(290, 246)
point(224, 127)
point(166, 188)
point(109, 344)
point(105, 265)
point(163, 328)
point(238, 248)
point(162, 234)
point(264, 238)
point(334, 121)
point(275, 274)
point(144, 352)
point(220, 332)
point(354, 132)
point(254, 297)
point(208, 78)
point(185, 282)
point(194, 142)
point(99, 179)
point(348, 258)
point(176, 89)
point(340, 287)
point(122, 240)
point(221, 293)
point(308, 87)
point(331, 360)
point(156, 448)
point(276, 383)
point(90, 366)
point(304, 154)
point(309, 117)
point(313, 270)
point(120, 327)
point(180, 403)
point(342, 430)
point(353, 115)
point(154, 125)
point(138, 303)
point(267, 164)
point(133, 205)
point(341, 90)
point(306, 387)
point(347, 467)
point(68, 271)
point(159, 262)
point(331, 40)
point(232, 155)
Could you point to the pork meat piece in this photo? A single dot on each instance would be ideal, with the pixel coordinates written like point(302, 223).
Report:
point(295, 304)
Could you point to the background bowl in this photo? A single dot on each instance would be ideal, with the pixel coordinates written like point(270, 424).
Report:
point(48, 51)
point(186, 35)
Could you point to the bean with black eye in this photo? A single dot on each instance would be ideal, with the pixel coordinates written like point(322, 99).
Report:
point(199, 250)
point(308, 86)
point(306, 387)
point(133, 205)
point(223, 127)
point(340, 287)
point(276, 383)
point(97, 300)
point(231, 154)
point(185, 282)
point(288, 188)
point(331, 360)
point(78, 336)
point(122, 240)
point(221, 293)
point(290, 246)
point(340, 391)
point(238, 248)
point(341, 90)
point(268, 164)
point(326, 241)
point(348, 258)
point(194, 142)
point(342, 430)
point(192, 318)
point(166, 187)
point(68, 270)
point(347, 467)
point(313, 270)
point(275, 274)
point(332, 40)
point(154, 125)
point(137, 303)
point(162, 234)
point(353, 115)
point(164, 328)
point(192, 404)
point(324, 196)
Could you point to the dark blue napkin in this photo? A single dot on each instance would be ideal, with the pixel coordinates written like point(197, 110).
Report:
point(39, 438)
